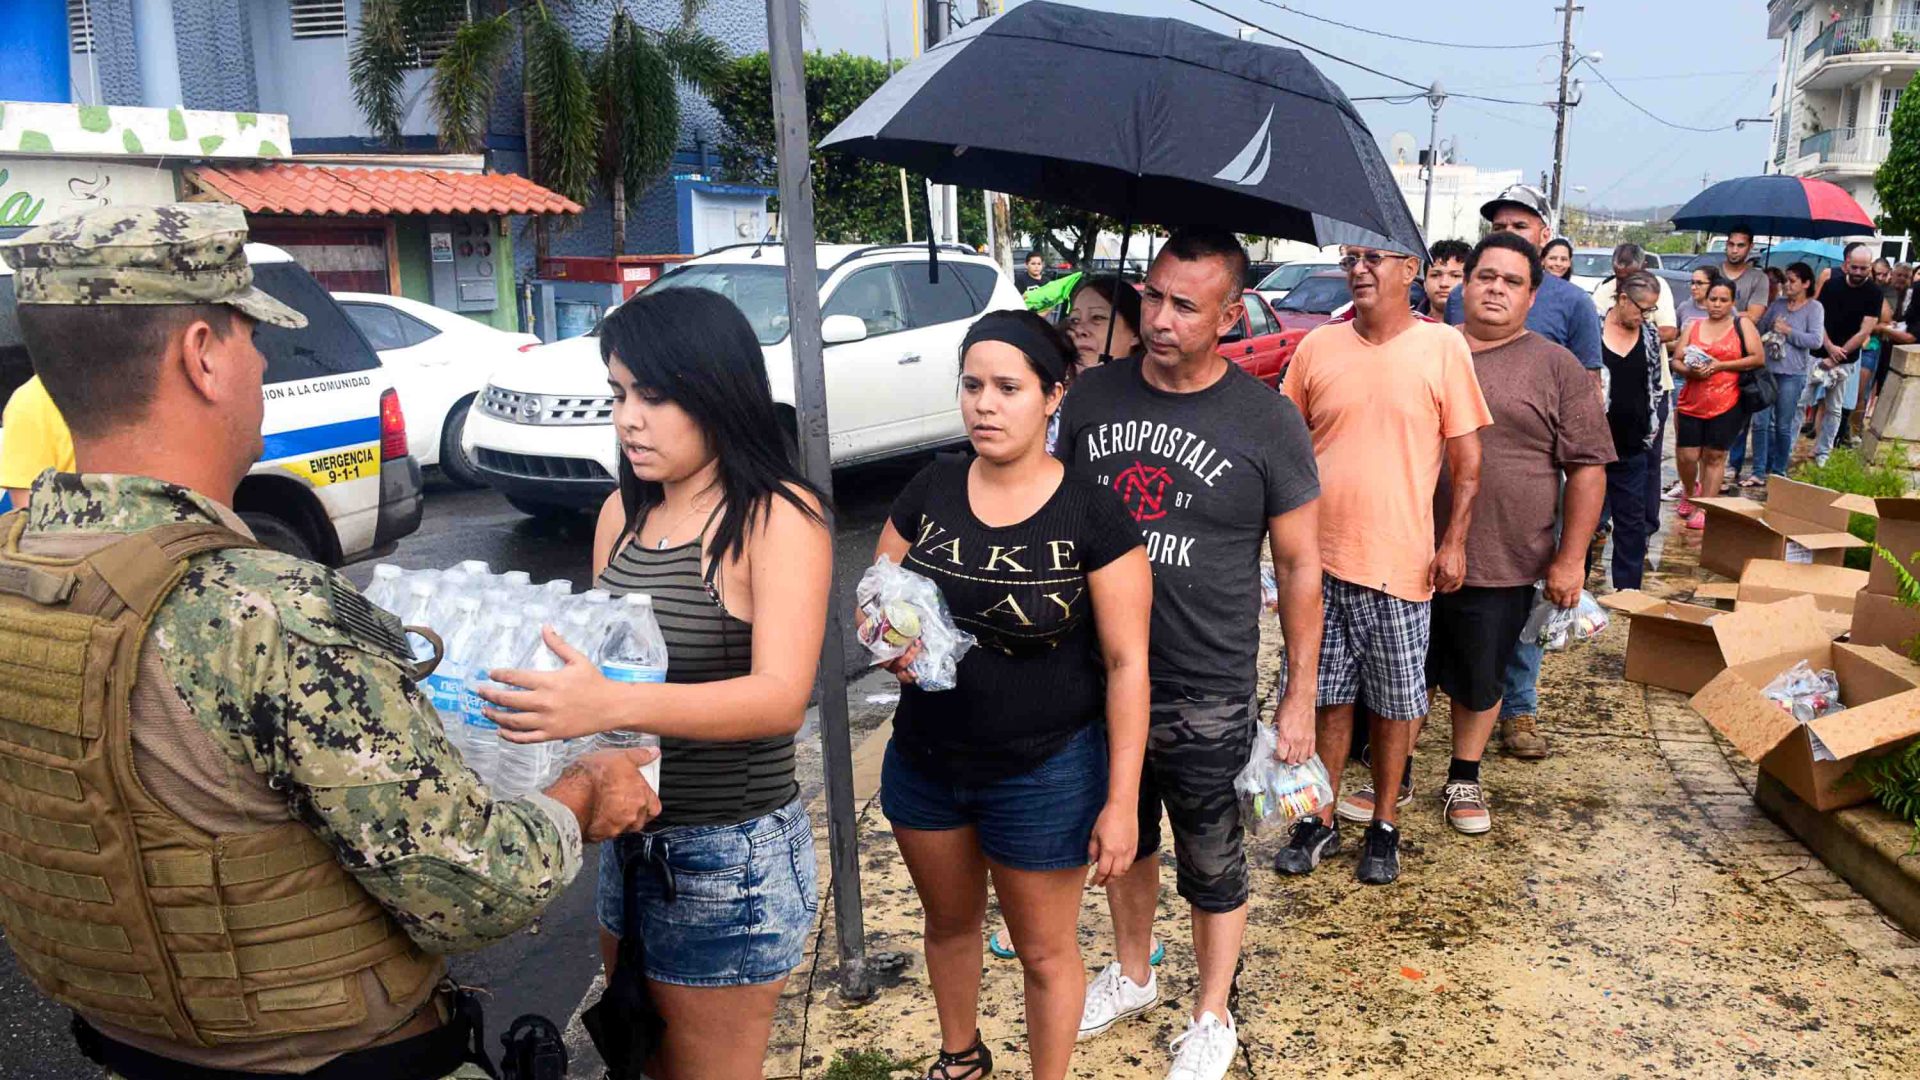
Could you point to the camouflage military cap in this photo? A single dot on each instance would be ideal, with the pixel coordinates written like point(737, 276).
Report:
point(181, 253)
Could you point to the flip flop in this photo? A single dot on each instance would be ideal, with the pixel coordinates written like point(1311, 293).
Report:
point(998, 946)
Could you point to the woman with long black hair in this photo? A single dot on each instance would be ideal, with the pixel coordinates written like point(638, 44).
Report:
point(715, 522)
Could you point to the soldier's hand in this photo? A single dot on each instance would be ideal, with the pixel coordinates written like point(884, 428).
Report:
point(607, 794)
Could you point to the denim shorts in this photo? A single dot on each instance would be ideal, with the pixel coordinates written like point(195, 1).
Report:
point(717, 905)
point(1038, 820)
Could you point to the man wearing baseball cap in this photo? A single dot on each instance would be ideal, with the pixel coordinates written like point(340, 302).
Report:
point(249, 850)
point(1562, 312)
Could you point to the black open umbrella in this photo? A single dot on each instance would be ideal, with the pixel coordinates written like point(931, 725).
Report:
point(1147, 119)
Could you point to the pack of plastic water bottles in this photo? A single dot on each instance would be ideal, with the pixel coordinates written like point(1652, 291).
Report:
point(488, 622)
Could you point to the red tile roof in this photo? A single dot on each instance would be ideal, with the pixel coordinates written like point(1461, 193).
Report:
point(335, 189)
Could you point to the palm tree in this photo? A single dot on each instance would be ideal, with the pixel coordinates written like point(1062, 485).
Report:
point(606, 119)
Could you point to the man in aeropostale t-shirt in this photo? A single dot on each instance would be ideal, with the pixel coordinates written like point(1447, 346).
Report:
point(1210, 463)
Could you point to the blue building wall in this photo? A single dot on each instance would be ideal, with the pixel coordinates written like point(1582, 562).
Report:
point(36, 68)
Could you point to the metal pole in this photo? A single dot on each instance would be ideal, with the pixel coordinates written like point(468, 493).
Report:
point(1560, 109)
point(947, 203)
point(1436, 97)
point(791, 148)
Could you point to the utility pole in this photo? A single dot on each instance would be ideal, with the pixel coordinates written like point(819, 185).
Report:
point(944, 222)
point(786, 61)
point(999, 208)
point(1560, 108)
point(1436, 97)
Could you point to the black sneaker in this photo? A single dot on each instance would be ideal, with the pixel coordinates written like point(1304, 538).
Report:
point(1310, 842)
point(1379, 855)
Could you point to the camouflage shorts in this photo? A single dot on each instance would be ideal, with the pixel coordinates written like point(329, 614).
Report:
point(1195, 749)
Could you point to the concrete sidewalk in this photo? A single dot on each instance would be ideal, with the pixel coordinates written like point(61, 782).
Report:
point(1630, 913)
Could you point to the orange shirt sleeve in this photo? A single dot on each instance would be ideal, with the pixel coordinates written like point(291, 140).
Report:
point(1463, 408)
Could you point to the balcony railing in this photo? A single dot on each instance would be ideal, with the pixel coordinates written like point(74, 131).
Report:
point(1847, 146)
point(1896, 33)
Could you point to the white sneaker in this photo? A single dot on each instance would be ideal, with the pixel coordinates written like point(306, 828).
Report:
point(1112, 997)
point(1206, 1051)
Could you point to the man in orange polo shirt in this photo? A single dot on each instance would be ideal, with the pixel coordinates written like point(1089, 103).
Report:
point(1387, 397)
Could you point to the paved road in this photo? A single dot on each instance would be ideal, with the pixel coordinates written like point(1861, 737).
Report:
point(547, 969)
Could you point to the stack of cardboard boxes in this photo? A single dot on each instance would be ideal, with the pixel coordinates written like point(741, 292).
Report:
point(1791, 597)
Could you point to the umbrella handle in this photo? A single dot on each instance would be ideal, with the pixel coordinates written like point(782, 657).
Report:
point(933, 246)
point(1119, 280)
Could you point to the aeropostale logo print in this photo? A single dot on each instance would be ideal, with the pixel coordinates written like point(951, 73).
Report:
point(1158, 471)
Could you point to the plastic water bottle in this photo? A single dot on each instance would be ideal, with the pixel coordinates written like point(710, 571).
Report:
point(557, 589)
point(633, 651)
point(502, 646)
point(517, 579)
point(477, 568)
point(387, 590)
point(525, 767)
point(447, 686)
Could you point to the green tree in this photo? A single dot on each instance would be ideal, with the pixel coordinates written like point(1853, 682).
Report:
point(855, 200)
point(1897, 181)
point(603, 120)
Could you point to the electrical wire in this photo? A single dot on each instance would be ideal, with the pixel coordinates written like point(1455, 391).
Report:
point(1338, 59)
point(1397, 37)
point(1648, 113)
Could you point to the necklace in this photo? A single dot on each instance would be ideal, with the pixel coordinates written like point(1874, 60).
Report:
point(661, 544)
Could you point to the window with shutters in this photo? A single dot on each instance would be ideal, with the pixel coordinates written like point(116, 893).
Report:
point(1889, 98)
point(80, 25)
point(318, 18)
point(430, 46)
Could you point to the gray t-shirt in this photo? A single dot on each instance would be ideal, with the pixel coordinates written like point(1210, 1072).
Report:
point(1749, 289)
point(1200, 473)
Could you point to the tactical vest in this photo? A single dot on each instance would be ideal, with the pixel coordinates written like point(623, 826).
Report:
point(116, 906)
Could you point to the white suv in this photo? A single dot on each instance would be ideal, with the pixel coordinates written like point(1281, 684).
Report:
point(541, 432)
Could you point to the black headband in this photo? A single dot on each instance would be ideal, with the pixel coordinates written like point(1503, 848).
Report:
point(1040, 348)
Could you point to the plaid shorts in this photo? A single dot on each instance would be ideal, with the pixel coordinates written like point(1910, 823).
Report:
point(1376, 643)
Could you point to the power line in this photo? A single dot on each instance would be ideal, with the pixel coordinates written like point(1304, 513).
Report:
point(1648, 113)
point(1338, 59)
point(1397, 37)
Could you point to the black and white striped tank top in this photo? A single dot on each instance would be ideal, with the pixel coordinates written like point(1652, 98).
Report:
point(703, 783)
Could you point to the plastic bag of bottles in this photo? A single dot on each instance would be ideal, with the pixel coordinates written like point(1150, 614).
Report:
point(1807, 693)
point(1274, 794)
point(901, 607)
point(1555, 628)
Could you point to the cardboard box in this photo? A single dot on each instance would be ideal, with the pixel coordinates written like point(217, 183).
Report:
point(1669, 644)
point(1883, 620)
point(1899, 533)
point(1769, 581)
point(1798, 523)
point(1881, 692)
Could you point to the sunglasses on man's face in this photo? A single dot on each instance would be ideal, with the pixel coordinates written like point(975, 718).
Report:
point(1373, 259)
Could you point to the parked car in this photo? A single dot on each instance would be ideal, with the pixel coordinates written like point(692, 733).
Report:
point(1313, 301)
point(542, 431)
point(1260, 345)
point(334, 482)
point(1591, 266)
point(1258, 272)
point(439, 361)
point(1275, 286)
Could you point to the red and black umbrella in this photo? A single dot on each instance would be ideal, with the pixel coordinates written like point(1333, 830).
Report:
point(1775, 206)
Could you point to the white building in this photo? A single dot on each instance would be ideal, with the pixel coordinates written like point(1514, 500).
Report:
point(1458, 192)
point(1843, 64)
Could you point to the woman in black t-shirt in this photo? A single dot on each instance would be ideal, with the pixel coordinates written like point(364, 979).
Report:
point(1010, 774)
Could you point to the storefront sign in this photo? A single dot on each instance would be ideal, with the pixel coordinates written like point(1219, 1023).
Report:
point(34, 191)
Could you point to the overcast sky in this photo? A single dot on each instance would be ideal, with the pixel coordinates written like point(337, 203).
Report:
point(1703, 63)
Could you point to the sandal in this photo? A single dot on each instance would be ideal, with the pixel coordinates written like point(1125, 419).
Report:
point(1753, 482)
point(974, 1062)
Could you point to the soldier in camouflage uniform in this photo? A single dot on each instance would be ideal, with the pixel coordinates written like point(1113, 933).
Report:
point(301, 842)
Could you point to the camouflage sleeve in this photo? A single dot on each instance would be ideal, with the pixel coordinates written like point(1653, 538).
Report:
point(296, 674)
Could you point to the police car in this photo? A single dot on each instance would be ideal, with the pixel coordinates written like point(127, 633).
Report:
point(335, 482)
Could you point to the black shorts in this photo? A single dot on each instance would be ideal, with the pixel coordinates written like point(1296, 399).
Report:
point(1196, 747)
point(1713, 433)
point(1475, 631)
